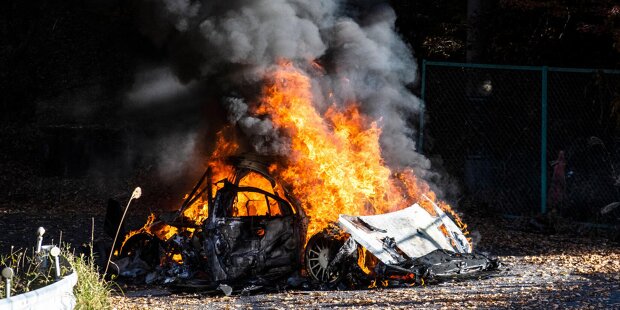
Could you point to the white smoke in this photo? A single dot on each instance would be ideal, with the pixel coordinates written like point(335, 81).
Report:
point(233, 42)
point(156, 86)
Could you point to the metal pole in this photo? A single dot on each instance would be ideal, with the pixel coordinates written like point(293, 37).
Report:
point(422, 108)
point(543, 143)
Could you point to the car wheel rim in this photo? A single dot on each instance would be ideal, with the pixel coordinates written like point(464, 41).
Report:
point(319, 255)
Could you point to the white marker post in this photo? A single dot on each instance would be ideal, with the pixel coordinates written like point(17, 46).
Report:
point(55, 252)
point(7, 273)
point(40, 233)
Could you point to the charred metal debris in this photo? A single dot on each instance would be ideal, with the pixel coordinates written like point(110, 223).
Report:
point(239, 248)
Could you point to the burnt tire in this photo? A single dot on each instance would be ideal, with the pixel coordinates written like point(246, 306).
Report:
point(320, 252)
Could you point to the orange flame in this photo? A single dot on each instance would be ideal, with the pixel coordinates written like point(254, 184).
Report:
point(197, 212)
point(335, 166)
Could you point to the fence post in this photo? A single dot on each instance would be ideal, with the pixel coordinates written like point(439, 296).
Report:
point(543, 143)
point(422, 108)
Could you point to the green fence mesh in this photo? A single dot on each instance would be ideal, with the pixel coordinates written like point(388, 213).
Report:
point(583, 125)
point(527, 140)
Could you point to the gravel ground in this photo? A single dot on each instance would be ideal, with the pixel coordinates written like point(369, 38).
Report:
point(548, 272)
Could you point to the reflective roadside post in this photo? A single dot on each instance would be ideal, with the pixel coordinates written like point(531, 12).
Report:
point(40, 233)
point(55, 252)
point(7, 273)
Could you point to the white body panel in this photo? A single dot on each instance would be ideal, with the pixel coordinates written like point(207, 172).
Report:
point(414, 232)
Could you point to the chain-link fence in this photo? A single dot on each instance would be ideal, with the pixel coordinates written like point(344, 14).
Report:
point(526, 140)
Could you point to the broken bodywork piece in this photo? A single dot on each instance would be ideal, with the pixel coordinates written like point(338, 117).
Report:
point(408, 245)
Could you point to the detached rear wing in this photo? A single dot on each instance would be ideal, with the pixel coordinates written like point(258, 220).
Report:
point(405, 234)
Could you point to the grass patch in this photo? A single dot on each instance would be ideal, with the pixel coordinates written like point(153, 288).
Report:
point(91, 290)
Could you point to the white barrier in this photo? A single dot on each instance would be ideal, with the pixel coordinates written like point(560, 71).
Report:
point(58, 295)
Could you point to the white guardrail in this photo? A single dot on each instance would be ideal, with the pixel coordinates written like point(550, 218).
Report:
point(58, 295)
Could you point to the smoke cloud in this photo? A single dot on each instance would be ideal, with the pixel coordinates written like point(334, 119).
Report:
point(232, 43)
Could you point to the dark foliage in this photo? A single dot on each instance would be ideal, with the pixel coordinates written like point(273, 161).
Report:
point(552, 32)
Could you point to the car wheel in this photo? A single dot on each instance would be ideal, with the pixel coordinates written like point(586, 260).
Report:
point(320, 251)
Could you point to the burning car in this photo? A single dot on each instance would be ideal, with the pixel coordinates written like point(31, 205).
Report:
point(258, 235)
point(249, 231)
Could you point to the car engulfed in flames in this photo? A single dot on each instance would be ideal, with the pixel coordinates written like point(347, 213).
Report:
point(324, 207)
point(254, 232)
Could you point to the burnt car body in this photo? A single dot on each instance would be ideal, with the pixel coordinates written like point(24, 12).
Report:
point(268, 244)
point(257, 235)
point(251, 234)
